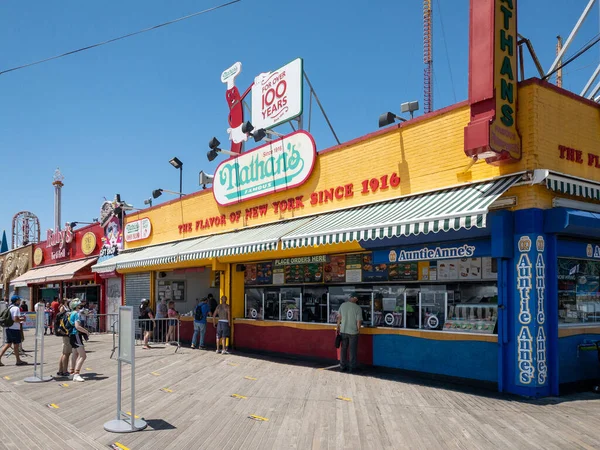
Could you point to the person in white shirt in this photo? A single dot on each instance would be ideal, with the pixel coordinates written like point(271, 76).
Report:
point(13, 333)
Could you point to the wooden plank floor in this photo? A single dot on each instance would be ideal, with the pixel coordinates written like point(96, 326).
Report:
point(300, 402)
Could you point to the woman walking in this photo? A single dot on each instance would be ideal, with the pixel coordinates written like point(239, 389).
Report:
point(146, 321)
point(76, 341)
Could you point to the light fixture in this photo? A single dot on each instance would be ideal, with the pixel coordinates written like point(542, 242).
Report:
point(74, 224)
point(503, 202)
point(204, 179)
point(258, 135)
point(575, 204)
point(214, 151)
point(409, 107)
point(158, 192)
point(176, 162)
point(389, 118)
point(148, 201)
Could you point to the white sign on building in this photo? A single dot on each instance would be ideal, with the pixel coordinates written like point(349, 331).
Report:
point(277, 96)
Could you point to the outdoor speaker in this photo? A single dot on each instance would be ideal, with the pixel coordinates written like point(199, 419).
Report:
point(240, 268)
point(162, 274)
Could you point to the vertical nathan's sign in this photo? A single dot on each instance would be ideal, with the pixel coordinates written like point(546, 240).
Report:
point(277, 96)
point(492, 132)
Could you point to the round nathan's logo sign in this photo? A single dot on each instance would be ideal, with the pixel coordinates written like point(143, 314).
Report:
point(274, 167)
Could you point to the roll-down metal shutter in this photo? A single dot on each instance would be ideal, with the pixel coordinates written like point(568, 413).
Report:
point(137, 287)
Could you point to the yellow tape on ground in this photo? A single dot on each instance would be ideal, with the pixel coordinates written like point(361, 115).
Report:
point(255, 417)
point(63, 385)
point(52, 405)
point(6, 378)
point(238, 396)
point(166, 390)
point(346, 399)
point(119, 446)
point(156, 374)
point(251, 378)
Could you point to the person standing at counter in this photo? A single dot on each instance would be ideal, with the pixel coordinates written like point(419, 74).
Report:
point(349, 321)
point(201, 312)
point(222, 314)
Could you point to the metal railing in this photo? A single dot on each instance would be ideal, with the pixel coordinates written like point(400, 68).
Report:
point(163, 331)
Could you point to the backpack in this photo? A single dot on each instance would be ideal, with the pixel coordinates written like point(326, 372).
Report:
point(62, 324)
point(6, 319)
point(198, 316)
point(144, 314)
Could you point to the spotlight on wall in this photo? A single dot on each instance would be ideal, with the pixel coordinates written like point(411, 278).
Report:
point(148, 201)
point(214, 151)
point(258, 135)
point(389, 118)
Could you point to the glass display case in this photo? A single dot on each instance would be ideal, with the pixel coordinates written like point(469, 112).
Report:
point(291, 300)
point(388, 306)
point(472, 318)
point(272, 304)
point(254, 303)
point(314, 304)
point(433, 304)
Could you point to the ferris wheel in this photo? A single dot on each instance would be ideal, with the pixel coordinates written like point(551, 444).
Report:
point(25, 229)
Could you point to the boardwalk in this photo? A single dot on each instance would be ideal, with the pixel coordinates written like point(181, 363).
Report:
point(306, 408)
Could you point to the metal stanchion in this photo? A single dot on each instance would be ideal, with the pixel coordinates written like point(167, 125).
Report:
point(39, 343)
point(126, 355)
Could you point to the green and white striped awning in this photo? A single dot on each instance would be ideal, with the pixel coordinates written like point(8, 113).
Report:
point(449, 209)
point(573, 186)
point(249, 240)
point(148, 256)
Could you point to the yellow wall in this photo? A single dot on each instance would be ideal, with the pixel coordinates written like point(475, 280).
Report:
point(427, 154)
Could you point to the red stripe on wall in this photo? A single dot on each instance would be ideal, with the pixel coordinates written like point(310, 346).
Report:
point(318, 344)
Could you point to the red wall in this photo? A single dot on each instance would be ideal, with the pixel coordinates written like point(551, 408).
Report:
point(318, 344)
point(73, 251)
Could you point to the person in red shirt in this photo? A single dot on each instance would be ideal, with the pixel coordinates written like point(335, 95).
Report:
point(55, 305)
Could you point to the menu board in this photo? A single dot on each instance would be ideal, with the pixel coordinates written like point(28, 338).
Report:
point(250, 274)
point(469, 269)
point(261, 273)
point(264, 273)
point(448, 269)
point(278, 275)
point(354, 268)
point(335, 269)
point(489, 268)
point(294, 273)
point(373, 272)
point(405, 271)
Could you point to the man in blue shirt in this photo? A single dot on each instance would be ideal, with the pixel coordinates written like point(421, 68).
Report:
point(201, 312)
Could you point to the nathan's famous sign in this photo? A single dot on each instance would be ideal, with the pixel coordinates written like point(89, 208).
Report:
point(492, 132)
point(276, 166)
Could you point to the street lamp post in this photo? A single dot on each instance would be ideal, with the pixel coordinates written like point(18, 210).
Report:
point(176, 162)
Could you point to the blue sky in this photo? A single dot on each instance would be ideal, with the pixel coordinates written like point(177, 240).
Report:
point(112, 117)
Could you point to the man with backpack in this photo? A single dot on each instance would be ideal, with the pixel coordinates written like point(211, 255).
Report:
point(201, 312)
point(10, 320)
point(61, 329)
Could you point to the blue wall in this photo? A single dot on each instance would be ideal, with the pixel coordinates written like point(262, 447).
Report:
point(465, 359)
point(573, 368)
